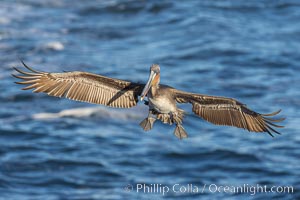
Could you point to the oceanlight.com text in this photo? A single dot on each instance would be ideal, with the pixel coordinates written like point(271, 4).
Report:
point(207, 188)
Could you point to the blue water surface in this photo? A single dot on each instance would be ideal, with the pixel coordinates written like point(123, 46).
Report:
point(53, 148)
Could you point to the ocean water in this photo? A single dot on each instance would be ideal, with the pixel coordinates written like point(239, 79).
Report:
point(53, 148)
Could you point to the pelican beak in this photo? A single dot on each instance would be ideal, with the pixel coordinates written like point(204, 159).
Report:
point(148, 85)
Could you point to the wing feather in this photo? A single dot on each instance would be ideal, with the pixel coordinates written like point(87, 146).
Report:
point(228, 111)
point(82, 86)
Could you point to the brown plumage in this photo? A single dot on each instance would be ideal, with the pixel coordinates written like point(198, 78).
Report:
point(82, 86)
point(162, 99)
point(228, 111)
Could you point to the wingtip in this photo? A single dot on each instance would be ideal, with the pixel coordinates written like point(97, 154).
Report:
point(16, 69)
point(271, 135)
point(269, 128)
point(29, 68)
point(272, 114)
point(13, 75)
point(22, 61)
point(275, 120)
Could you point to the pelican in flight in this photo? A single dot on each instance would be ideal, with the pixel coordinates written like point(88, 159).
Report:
point(161, 99)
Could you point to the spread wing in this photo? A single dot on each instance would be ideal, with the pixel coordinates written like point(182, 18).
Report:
point(82, 86)
point(228, 111)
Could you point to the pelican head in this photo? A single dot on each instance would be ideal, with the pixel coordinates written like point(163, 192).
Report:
point(153, 80)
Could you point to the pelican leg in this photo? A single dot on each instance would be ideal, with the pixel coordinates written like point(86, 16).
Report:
point(179, 131)
point(147, 123)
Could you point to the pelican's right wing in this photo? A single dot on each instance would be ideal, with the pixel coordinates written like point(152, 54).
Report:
point(228, 111)
point(83, 86)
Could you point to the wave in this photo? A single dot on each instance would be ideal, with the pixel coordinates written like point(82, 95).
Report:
point(95, 112)
point(218, 154)
point(54, 45)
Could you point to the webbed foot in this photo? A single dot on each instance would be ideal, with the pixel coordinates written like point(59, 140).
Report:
point(147, 123)
point(180, 132)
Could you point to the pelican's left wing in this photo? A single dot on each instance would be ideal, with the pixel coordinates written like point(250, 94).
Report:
point(228, 111)
point(82, 86)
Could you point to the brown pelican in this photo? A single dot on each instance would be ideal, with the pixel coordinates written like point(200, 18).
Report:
point(162, 99)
